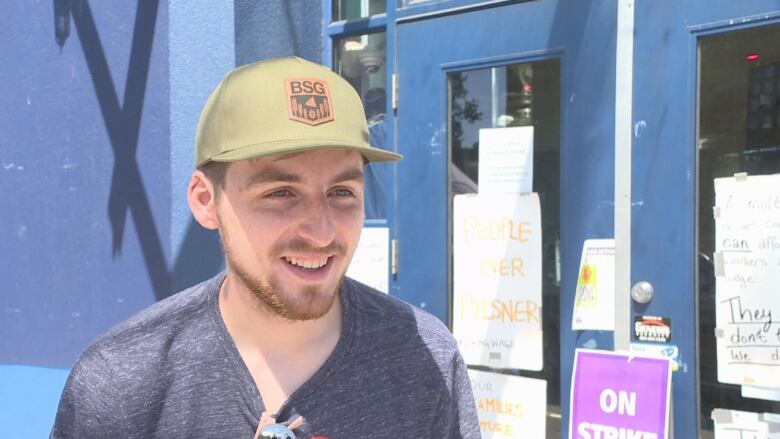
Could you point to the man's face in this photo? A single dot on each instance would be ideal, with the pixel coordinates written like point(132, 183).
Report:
point(290, 225)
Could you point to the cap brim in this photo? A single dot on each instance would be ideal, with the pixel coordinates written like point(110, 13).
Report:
point(264, 149)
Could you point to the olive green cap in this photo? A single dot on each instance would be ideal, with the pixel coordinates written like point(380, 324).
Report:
point(282, 106)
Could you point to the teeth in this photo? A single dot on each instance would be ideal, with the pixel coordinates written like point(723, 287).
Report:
point(307, 264)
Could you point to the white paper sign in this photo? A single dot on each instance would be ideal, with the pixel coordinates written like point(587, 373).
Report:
point(497, 312)
point(506, 160)
point(370, 264)
point(509, 406)
point(735, 424)
point(768, 393)
point(747, 270)
point(594, 303)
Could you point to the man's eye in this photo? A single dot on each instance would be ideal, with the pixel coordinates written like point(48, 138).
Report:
point(281, 193)
point(343, 192)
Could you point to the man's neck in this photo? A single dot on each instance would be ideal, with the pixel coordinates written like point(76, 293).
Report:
point(281, 355)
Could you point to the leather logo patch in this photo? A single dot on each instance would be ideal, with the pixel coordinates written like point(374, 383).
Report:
point(308, 100)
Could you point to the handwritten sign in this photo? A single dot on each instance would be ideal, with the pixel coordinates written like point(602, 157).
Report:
point(506, 160)
point(747, 270)
point(497, 281)
point(509, 406)
point(616, 395)
point(370, 262)
point(594, 303)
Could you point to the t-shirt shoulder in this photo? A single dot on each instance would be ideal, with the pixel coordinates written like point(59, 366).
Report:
point(117, 376)
point(388, 313)
point(156, 325)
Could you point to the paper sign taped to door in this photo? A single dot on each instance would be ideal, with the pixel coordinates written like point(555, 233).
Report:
point(619, 395)
point(509, 406)
point(497, 280)
point(747, 306)
point(506, 159)
point(370, 264)
point(768, 393)
point(594, 300)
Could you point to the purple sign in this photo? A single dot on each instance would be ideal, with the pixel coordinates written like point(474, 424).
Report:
point(618, 396)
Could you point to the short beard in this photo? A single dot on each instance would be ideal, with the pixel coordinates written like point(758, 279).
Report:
point(268, 297)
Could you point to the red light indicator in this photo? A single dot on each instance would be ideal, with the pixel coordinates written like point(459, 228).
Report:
point(752, 57)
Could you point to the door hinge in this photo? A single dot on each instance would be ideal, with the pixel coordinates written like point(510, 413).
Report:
point(394, 256)
point(395, 91)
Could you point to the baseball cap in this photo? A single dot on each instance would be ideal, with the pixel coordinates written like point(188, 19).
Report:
point(282, 106)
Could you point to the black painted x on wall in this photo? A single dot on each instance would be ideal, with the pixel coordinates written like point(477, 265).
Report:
point(123, 123)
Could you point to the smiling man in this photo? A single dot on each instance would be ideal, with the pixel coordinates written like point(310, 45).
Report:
point(280, 345)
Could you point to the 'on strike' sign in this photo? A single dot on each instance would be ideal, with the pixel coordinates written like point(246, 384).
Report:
point(618, 396)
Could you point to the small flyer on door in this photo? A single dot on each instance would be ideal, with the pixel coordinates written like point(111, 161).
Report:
point(594, 302)
point(506, 160)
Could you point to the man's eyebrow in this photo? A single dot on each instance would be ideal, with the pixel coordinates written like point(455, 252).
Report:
point(355, 174)
point(272, 175)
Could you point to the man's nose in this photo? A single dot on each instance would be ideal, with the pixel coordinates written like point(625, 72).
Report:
point(317, 225)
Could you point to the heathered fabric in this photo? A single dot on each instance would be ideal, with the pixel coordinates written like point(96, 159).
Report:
point(172, 371)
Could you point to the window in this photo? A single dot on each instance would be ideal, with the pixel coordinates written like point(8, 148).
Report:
point(739, 131)
point(518, 95)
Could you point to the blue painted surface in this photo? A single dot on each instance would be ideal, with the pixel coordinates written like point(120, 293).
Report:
point(99, 107)
point(100, 103)
point(275, 28)
point(28, 400)
point(84, 168)
point(85, 181)
point(582, 36)
point(664, 177)
point(201, 52)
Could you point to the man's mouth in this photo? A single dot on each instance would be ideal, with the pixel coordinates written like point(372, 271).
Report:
point(309, 264)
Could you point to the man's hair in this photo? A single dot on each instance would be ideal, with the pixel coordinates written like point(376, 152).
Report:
point(215, 172)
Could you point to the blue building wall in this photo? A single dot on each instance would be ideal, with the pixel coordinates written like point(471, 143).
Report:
point(85, 188)
point(99, 104)
point(274, 28)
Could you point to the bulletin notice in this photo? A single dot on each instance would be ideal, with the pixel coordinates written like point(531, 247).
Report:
point(747, 279)
point(497, 280)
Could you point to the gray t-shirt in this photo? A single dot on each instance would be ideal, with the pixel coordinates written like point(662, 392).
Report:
point(172, 371)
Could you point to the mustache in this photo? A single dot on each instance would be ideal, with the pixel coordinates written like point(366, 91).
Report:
point(299, 246)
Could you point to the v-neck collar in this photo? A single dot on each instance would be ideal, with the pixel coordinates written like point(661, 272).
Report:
point(249, 391)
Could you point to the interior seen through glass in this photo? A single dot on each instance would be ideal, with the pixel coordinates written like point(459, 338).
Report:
point(509, 96)
point(362, 61)
point(353, 9)
point(739, 131)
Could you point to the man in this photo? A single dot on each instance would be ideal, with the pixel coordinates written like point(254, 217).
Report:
point(281, 344)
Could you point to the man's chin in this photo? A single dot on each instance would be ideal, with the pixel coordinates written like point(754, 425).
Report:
point(302, 304)
point(295, 303)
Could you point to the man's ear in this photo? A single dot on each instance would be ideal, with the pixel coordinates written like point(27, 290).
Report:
point(202, 200)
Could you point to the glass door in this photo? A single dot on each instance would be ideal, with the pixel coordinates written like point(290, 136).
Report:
point(503, 98)
point(739, 223)
point(704, 139)
point(461, 88)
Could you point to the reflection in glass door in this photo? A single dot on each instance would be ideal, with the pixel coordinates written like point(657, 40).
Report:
point(516, 95)
point(738, 134)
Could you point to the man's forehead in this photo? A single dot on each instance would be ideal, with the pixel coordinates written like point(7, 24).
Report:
point(336, 165)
